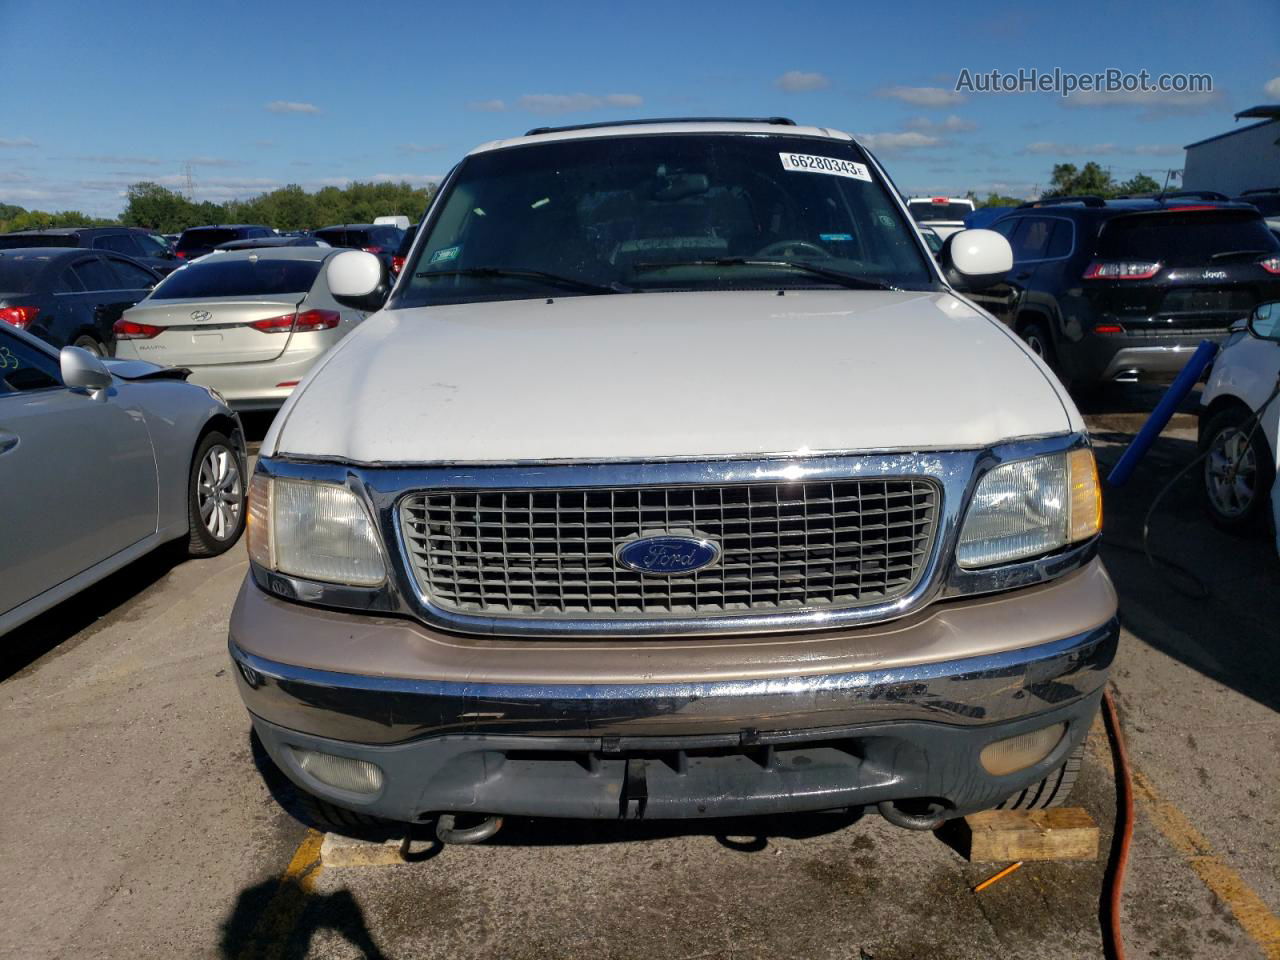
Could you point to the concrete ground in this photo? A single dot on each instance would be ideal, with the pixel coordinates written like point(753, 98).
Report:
point(139, 820)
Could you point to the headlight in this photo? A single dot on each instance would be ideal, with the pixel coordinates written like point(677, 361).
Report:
point(1030, 507)
point(317, 531)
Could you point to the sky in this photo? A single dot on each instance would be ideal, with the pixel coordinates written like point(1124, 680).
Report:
point(252, 97)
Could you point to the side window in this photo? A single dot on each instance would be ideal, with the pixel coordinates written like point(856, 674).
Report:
point(67, 282)
point(24, 367)
point(1060, 240)
point(1031, 239)
point(96, 275)
point(151, 245)
point(132, 276)
point(260, 232)
point(117, 243)
point(1006, 227)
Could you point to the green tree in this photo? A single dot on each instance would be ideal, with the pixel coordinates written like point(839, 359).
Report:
point(1067, 180)
point(1140, 184)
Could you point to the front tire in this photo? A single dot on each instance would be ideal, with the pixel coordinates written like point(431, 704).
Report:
point(90, 344)
point(215, 496)
point(1238, 471)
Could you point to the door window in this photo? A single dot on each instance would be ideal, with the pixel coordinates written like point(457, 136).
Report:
point(117, 243)
point(1031, 239)
point(24, 367)
point(1060, 240)
point(132, 276)
point(96, 275)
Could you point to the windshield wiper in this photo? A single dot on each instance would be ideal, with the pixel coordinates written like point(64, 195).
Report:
point(1230, 254)
point(542, 275)
point(835, 276)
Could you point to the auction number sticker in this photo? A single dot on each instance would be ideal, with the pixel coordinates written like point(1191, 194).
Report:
point(805, 163)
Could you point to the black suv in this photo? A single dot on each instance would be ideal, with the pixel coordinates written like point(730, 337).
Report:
point(1124, 289)
point(382, 240)
point(145, 246)
point(197, 241)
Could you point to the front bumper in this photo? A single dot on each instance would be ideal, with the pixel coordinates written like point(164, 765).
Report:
point(684, 748)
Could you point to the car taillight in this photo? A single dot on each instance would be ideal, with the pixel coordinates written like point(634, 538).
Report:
point(1121, 270)
point(128, 330)
point(1271, 264)
point(180, 254)
point(19, 317)
point(306, 322)
point(371, 249)
point(397, 264)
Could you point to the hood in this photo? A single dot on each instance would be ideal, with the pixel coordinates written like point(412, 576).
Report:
point(660, 375)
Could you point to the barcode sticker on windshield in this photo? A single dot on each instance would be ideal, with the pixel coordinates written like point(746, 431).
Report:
point(805, 163)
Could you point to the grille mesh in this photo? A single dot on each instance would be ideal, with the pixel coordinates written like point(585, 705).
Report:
point(784, 546)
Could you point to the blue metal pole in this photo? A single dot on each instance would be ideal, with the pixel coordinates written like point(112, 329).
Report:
point(1138, 447)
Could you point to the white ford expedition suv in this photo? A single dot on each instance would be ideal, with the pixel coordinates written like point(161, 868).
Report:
point(675, 479)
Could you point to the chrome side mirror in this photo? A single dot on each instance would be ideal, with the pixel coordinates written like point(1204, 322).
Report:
point(81, 370)
point(975, 259)
point(1264, 322)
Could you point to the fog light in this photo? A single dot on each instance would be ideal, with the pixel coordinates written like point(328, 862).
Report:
point(343, 773)
point(1024, 750)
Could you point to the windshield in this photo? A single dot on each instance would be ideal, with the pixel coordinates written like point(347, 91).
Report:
point(202, 237)
point(264, 277)
point(924, 210)
point(662, 212)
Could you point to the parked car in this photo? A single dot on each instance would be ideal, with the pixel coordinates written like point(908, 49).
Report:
point(983, 217)
point(382, 241)
point(144, 246)
point(249, 323)
point(1267, 200)
point(70, 296)
point(1239, 471)
point(262, 242)
point(1109, 290)
point(944, 214)
point(197, 241)
point(399, 221)
point(100, 462)
point(675, 480)
point(402, 251)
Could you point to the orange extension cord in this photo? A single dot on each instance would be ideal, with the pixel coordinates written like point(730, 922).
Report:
point(1113, 936)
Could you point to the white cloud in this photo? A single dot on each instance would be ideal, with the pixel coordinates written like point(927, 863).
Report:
point(290, 106)
point(16, 143)
point(898, 142)
point(488, 106)
point(932, 97)
point(1056, 149)
point(1152, 103)
point(797, 81)
point(421, 147)
point(575, 102)
point(1272, 88)
point(952, 124)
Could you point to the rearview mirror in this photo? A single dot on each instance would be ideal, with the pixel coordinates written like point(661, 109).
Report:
point(1264, 322)
point(81, 370)
point(975, 259)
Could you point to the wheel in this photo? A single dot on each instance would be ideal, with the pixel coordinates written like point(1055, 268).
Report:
point(1238, 471)
point(1037, 338)
point(215, 497)
point(332, 819)
point(1052, 791)
point(86, 342)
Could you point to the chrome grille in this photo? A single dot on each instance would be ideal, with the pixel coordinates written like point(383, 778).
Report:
point(784, 546)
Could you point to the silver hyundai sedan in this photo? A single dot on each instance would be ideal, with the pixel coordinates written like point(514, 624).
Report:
point(102, 461)
point(249, 323)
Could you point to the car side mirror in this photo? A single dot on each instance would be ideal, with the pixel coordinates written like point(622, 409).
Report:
point(1264, 322)
point(356, 280)
point(81, 370)
point(975, 259)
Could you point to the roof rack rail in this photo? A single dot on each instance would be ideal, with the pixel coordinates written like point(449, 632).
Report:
point(1257, 190)
point(1193, 195)
point(1088, 199)
point(774, 121)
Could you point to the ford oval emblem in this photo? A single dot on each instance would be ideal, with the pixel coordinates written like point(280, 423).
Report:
point(668, 554)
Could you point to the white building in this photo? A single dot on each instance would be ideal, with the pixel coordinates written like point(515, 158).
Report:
point(1244, 159)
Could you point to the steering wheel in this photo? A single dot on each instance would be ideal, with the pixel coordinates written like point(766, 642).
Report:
point(789, 248)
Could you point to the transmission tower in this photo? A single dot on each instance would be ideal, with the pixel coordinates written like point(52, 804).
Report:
point(190, 180)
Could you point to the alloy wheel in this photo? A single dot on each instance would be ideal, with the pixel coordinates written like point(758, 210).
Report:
point(219, 492)
point(1231, 473)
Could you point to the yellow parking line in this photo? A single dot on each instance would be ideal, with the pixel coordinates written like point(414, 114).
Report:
point(1262, 926)
point(281, 914)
